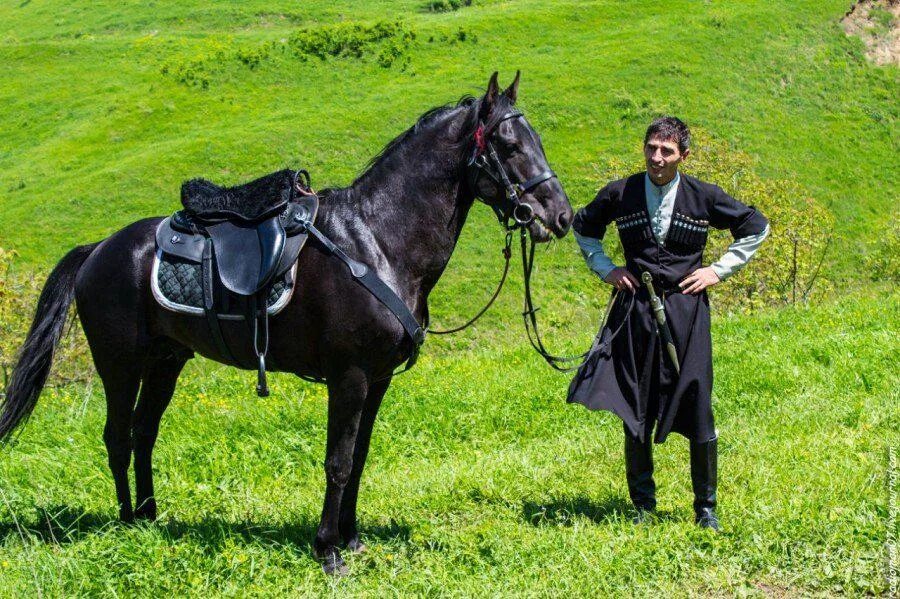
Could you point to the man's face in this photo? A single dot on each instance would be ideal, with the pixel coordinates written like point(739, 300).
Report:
point(663, 158)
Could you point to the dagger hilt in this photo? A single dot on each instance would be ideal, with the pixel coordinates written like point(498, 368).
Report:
point(655, 302)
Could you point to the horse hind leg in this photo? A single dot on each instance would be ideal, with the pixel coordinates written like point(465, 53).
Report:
point(157, 387)
point(121, 390)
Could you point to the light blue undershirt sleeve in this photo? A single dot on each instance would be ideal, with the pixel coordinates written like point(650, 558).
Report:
point(596, 258)
point(738, 254)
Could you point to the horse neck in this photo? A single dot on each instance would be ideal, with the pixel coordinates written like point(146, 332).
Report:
point(415, 202)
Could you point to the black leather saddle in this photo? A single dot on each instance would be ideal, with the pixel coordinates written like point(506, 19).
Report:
point(244, 237)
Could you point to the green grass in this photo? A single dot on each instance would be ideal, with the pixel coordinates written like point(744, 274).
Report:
point(481, 481)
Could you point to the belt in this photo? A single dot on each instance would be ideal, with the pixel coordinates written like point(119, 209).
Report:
point(659, 285)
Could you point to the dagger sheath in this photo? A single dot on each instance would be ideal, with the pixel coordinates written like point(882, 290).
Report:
point(662, 327)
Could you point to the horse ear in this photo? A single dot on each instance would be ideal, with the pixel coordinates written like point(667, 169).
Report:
point(512, 92)
point(490, 97)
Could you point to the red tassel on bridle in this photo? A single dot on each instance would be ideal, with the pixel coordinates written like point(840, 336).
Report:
point(480, 144)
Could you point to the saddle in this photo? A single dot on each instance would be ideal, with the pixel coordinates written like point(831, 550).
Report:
point(245, 238)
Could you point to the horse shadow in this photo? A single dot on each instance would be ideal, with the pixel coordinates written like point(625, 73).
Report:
point(564, 512)
point(66, 525)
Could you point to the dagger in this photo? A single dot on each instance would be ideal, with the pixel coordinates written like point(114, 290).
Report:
point(662, 328)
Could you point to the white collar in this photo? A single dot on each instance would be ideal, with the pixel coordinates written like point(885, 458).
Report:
point(663, 190)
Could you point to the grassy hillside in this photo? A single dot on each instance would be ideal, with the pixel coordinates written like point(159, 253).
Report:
point(480, 480)
point(95, 135)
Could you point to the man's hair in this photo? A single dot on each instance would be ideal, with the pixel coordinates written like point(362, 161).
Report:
point(670, 128)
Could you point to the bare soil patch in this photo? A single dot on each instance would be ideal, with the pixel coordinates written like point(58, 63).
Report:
point(877, 23)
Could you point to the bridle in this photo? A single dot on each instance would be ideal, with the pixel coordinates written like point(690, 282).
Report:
point(485, 160)
point(513, 214)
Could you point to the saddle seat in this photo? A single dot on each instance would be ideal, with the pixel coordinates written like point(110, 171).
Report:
point(250, 202)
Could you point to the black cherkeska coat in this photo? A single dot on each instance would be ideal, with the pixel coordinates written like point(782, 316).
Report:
point(627, 372)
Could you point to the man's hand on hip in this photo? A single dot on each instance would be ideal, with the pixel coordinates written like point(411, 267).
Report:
point(699, 280)
point(621, 279)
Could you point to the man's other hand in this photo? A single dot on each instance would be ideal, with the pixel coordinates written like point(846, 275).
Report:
point(621, 279)
point(699, 280)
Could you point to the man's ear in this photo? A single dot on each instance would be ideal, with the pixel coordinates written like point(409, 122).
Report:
point(512, 92)
point(490, 97)
point(685, 154)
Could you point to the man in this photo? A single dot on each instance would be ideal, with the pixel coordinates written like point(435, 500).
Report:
point(663, 218)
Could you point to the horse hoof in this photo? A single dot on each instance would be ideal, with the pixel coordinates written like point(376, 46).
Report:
point(147, 516)
point(332, 562)
point(146, 511)
point(335, 566)
point(356, 546)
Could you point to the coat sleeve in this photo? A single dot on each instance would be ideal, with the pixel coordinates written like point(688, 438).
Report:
point(725, 212)
point(592, 220)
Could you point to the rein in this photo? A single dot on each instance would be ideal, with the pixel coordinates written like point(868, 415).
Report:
point(529, 316)
point(486, 160)
point(507, 254)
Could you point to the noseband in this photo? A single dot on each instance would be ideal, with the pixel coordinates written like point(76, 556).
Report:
point(485, 160)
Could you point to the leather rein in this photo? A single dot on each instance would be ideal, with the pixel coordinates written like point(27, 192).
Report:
point(513, 214)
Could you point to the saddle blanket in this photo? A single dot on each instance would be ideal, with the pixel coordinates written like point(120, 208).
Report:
point(177, 285)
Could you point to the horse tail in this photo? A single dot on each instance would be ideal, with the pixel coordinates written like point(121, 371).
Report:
point(36, 355)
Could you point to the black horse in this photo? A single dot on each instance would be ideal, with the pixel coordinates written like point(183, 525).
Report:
point(402, 217)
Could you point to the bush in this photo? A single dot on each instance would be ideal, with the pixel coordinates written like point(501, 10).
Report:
point(446, 5)
point(18, 297)
point(883, 262)
point(788, 267)
point(388, 41)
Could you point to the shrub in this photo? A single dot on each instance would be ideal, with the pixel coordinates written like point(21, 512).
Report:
point(388, 42)
point(788, 267)
point(883, 262)
point(354, 40)
point(446, 5)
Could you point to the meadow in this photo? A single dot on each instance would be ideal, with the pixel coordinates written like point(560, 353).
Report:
point(481, 481)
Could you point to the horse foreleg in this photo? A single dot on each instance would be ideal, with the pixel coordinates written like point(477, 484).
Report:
point(349, 532)
point(157, 387)
point(346, 396)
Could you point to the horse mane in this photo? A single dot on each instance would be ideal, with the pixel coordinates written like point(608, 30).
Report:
point(466, 133)
point(460, 144)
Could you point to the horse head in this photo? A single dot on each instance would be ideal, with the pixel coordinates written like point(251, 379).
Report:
point(508, 169)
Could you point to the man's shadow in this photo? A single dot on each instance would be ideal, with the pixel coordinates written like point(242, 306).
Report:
point(65, 525)
point(564, 512)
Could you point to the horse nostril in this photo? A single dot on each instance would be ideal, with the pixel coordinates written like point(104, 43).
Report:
point(564, 220)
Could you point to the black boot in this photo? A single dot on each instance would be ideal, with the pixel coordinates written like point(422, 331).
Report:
point(703, 478)
point(639, 472)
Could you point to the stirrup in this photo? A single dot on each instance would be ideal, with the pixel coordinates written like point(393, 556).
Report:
point(262, 388)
